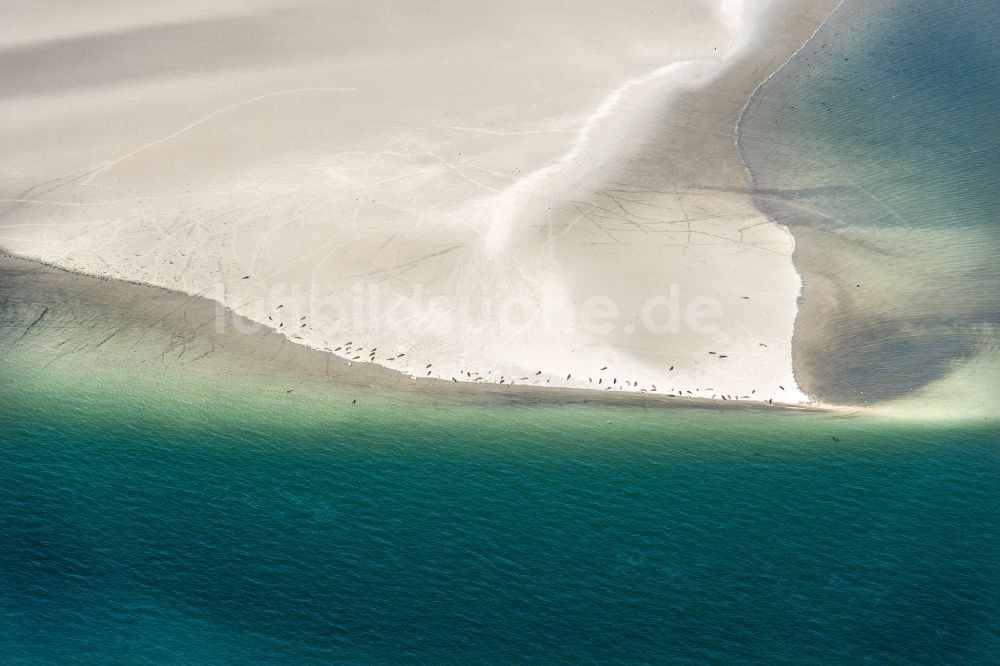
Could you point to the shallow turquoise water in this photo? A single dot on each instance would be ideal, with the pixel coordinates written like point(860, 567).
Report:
point(879, 147)
point(258, 528)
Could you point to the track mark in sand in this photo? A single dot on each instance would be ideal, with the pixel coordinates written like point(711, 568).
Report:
point(45, 311)
point(110, 335)
point(461, 175)
point(201, 121)
point(478, 130)
point(70, 204)
point(65, 354)
point(409, 265)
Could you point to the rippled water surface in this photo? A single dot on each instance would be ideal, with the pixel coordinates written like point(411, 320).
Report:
point(158, 503)
point(193, 532)
point(879, 147)
point(161, 500)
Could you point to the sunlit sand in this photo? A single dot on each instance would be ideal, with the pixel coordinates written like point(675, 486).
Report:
point(478, 191)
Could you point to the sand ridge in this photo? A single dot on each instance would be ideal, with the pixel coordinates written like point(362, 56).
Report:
point(468, 193)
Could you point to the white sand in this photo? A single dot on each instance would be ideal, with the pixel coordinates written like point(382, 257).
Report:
point(459, 182)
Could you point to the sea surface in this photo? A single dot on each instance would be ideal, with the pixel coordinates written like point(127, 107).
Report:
point(879, 147)
point(166, 498)
point(173, 519)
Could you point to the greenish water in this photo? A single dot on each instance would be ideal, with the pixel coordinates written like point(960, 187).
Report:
point(158, 503)
point(164, 497)
point(879, 147)
point(263, 527)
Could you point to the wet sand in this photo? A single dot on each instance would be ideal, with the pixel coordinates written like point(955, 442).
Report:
point(50, 316)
